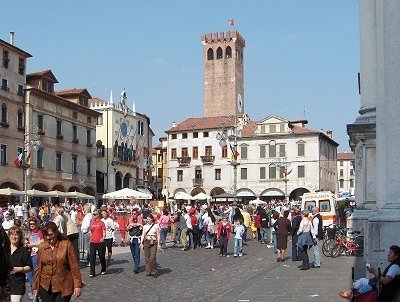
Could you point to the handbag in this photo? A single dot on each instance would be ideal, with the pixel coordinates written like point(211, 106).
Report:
point(148, 241)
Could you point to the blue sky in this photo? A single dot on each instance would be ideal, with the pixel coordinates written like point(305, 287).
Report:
point(300, 56)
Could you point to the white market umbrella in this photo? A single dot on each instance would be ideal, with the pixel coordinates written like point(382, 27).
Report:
point(201, 196)
point(257, 202)
point(11, 192)
point(38, 193)
point(79, 195)
point(183, 195)
point(126, 193)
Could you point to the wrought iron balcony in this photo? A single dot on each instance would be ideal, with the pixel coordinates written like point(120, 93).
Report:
point(184, 161)
point(197, 182)
point(207, 159)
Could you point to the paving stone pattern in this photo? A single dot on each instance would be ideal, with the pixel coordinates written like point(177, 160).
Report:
point(201, 275)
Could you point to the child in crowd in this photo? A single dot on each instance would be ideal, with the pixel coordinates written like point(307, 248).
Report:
point(239, 230)
point(223, 235)
point(122, 225)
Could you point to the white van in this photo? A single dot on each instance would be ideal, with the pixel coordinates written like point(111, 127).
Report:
point(326, 203)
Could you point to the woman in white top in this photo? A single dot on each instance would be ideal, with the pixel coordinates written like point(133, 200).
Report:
point(150, 243)
point(85, 228)
point(209, 222)
point(305, 240)
point(110, 226)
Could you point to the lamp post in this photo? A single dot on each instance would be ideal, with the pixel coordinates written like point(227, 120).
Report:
point(281, 162)
point(31, 139)
point(222, 136)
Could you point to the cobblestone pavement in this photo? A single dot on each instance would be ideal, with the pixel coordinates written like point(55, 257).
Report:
point(201, 275)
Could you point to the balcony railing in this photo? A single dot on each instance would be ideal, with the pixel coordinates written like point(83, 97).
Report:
point(184, 161)
point(207, 159)
point(123, 157)
point(197, 182)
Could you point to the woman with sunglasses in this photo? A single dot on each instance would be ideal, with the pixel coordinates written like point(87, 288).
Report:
point(57, 275)
point(97, 235)
point(20, 263)
point(34, 239)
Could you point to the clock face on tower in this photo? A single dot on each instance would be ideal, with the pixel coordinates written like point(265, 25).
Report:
point(240, 103)
point(123, 128)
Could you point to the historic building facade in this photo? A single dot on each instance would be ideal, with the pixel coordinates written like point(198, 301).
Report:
point(226, 152)
point(124, 143)
point(12, 123)
point(59, 137)
point(346, 171)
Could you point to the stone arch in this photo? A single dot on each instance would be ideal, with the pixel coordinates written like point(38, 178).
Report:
point(210, 54)
point(41, 187)
point(90, 191)
point(219, 53)
point(127, 180)
point(228, 52)
point(297, 193)
point(118, 181)
point(74, 189)
point(196, 191)
point(9, 184)
point(58, 187)
point(216, 191)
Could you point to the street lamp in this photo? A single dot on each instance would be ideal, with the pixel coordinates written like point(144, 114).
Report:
point(281, 162)
point(31, 139)
point(222, 136)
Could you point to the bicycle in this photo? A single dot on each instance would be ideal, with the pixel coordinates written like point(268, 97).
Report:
point(329, 239)
point(354, 245)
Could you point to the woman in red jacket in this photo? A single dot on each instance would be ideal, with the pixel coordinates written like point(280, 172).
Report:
point(223, 235)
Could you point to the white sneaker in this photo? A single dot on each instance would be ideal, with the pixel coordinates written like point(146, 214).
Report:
point(227, 256)
point(240, 255)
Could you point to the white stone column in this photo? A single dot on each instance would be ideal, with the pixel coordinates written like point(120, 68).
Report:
point(388, 103)
point(368, 48)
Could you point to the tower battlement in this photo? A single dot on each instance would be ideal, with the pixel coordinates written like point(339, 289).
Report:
point(223, 37)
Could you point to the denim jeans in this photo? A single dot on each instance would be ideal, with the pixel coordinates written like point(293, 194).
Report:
point(163, 238)
point(274, 241)
point(31, 274)
point(317, 257)
point(178, 233)
point(135, 251)
point(210, 238)
point(264, 235)
point(223, 245)
point(238, 249)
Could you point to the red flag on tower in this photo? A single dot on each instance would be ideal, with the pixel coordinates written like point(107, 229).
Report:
point(231, 22)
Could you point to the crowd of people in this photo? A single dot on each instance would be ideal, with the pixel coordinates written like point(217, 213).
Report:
point(58, 229)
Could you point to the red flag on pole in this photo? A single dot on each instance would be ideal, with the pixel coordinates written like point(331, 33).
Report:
point(231, 22)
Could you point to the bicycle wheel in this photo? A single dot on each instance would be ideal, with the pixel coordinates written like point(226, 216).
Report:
point(327, 247)
point(359, 246)
point(337, 249)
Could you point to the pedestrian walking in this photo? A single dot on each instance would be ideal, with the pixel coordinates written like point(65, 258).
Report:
point(150, 243)
point(238, 230)
point(305, 241)
point(57, 277)
point(282, 228)
point(135, 228)
point(97, 235)
point(223, 235)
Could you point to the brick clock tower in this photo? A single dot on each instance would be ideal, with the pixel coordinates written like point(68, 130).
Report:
point(223, 73)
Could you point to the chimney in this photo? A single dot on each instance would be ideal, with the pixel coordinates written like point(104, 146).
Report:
point(173, 124)
point(12, 37)
point(329, 133)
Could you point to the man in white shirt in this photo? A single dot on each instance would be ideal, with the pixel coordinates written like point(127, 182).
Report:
point(316, 231)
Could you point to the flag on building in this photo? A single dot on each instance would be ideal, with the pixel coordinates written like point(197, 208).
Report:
point(28, 158)
point(18, 160)
point(231, 22)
